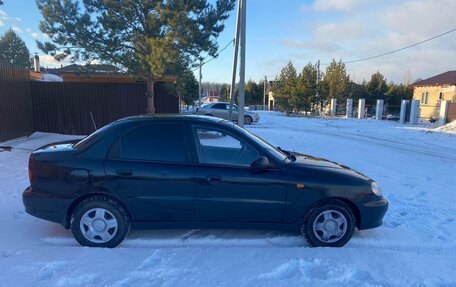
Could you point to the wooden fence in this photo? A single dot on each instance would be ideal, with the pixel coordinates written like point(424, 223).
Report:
point(27, 106)
point(66, 108)
point(15, 102)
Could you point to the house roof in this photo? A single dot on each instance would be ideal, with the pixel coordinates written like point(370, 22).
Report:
point(101, 73)
point(447, 78)
point(75, 68)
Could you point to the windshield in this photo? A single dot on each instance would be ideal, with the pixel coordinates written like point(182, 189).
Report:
point(278, 154)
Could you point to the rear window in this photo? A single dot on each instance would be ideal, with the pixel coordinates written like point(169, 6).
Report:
point(92, 138)
point(164, 142)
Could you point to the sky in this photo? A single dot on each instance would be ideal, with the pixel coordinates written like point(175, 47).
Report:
point(312, 30)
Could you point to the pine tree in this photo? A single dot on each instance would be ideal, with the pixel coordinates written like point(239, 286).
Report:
point(253, 93)
point(14, 50)
point(187, 86)
point(336, 80)
point(285, 88)
point(307, 87)
point(144, 36)
point(224, 93)
point(376, 88)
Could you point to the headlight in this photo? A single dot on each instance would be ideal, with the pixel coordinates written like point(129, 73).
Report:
point(376, 189)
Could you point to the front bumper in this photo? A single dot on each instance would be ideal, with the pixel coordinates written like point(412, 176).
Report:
point(372, 213)
point(45, 206)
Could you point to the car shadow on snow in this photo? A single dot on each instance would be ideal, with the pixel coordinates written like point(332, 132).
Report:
point(213, 238)
point(54, 234)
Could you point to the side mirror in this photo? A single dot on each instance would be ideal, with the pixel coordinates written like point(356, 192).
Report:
point(261, 163)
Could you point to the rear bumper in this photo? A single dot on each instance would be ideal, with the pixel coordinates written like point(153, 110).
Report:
point(372, 213)
point(45, 206)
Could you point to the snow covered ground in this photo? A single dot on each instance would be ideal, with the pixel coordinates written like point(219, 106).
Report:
point(416, 246)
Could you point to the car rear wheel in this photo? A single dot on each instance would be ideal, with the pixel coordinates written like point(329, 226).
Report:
point(100, 221)
point(328, 224)
point(247, 120)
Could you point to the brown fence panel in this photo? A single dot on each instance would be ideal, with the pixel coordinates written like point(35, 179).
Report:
point(451, 113)
point(166, 101)
point(67, 107)
point(15, 102)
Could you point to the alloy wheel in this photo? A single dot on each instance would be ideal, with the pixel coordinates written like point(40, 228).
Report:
point(98, 225)
point(330, 226)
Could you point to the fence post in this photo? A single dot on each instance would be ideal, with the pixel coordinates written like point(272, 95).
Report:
point(443, 114)
point(361, 107)
point(379, 110)
point(333, 107)
point(403, 114)
point(414, 112)
point(349, 108)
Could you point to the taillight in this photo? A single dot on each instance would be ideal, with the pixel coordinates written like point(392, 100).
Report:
point(31, 169)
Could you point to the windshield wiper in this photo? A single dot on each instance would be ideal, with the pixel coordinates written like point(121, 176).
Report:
point(289, 155)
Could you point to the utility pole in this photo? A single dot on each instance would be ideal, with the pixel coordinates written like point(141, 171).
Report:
point(318, 87)
point(235, 59)
point(264, 92)
point(199, 83)
point(242, 64)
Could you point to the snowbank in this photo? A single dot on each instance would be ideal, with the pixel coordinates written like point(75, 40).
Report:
point(448, 128)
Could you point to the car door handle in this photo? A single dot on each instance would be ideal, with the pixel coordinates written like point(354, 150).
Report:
point(124, 172)
point(211, 178)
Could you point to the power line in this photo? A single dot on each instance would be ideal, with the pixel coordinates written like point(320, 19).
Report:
point(397, 50)
point(215, 56)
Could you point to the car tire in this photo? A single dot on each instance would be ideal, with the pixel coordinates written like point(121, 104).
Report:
point(248, 120)
point(100, 221)
point(329, 223)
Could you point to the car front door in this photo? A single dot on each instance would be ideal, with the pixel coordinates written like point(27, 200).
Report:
point(149, 167)
point(228, 189)
point(219, 110)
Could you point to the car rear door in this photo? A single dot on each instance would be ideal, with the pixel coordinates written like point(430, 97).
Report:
point(150, 168)
point(228, 189)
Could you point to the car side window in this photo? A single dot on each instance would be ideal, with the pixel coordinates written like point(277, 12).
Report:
point(215, 146)
point(155, 142)
point(219, 106)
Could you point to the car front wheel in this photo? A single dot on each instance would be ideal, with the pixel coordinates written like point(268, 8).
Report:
point(247, 120)
point(328, 224)
point(100, 221)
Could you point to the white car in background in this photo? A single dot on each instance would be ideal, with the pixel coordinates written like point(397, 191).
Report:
point(221, 110)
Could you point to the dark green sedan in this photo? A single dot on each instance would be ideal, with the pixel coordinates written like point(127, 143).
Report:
point(193, 171)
